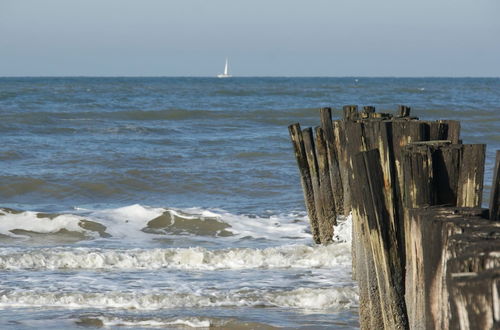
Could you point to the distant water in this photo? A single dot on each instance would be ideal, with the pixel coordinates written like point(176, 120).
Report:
point(176, 202)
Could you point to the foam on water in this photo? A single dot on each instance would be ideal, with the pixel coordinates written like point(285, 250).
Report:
point(327, 298)
point(274, 227)
point(196, 258)
point(31, 221)
point(343, 230)
point(126, 221)
point(138, 222)
point(156, 323)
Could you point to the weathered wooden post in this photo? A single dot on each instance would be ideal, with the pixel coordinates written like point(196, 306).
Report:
point(333, 159)
point(473, 278)
point(432, 230)
point(424, 253)
point(353, 137)
point(326, 194)
point(446, 160)
point(404, 111)
point(343, 158)
point(351, 112)
point(379, 238)
point(470, 185)
point(453, 131)
point(378, 136)
point(370, 307)
point(324, 224)
point(367, 112)
point(418, 192)
point(305, 179)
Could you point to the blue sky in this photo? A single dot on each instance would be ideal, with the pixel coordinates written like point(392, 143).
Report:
point(260, 37)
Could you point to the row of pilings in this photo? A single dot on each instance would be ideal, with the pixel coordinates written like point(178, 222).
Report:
point(425, 254)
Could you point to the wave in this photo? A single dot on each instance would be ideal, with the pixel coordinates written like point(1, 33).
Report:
point(195, 258)
point(18, 224)
point(326, 298)
point(144, 222)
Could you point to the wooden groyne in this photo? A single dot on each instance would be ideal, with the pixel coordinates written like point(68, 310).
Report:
point(425, 254)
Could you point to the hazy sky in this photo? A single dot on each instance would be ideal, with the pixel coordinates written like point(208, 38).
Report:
point(260, 37)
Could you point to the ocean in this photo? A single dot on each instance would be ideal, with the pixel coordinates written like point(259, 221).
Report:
point(176, 202)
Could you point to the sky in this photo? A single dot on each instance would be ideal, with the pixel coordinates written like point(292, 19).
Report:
point(452, 38)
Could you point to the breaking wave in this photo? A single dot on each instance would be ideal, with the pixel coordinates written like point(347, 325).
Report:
point(336, 298)
point(196, 258)
point(137, 221)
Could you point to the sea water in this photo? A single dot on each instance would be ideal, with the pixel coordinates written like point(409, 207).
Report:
point(176, 202)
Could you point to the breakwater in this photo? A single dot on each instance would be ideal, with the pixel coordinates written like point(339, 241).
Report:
point(426, 255)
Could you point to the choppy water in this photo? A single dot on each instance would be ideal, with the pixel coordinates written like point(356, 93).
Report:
point(176, 202)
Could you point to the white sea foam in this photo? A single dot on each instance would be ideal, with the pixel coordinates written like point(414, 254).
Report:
point(326, 298)
point(273, 227)
point(192, 322)
point(317, 298)
point(30, 221)
point(130, 221)
point(343, 230)
point(120, 222)
point(196, 258)
point(126, 221)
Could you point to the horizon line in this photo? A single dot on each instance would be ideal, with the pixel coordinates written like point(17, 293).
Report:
point(236, 77)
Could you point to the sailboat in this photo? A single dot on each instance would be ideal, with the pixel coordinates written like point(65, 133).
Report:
point(225, 74)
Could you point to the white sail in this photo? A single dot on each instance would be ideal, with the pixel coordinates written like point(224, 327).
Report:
point(226, 71)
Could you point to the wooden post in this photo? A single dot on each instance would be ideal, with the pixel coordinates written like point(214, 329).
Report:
point(438, 130)
point(433, 228)
point(470, 182)
point(351, 112)
point(418, 176)
point(305, 179)
point(411, 259)
point(462, 232)
point(354, 143)
point(446, 168)
point(404, 111)
point(369, 196)
point(329, 212)
point(368, 109)
point(453, 133)
point(333, 159)
point(370, 307)
point(367, 112)
point(343, 158)
point(418, 191)
point(495, 191)
point(377, 135)
point(325, 233)
point(403, 133)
